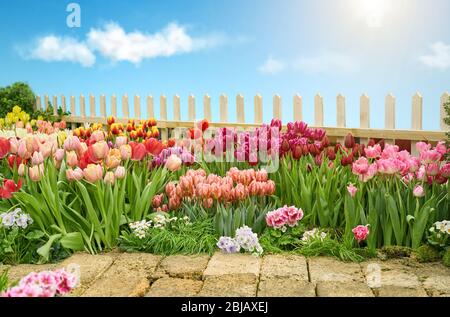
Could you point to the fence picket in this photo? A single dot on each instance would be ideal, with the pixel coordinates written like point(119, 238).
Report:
point(114, 106)
point(45, 102)
point(150, 111)
point(207, 107)
point(318, 110)
point(163, 116)
point(103, 106)
point(176, 108)
point(340, 114)
point(277, 107)
point(416, 118)
point(82, 107)
point(92, 109)
point(298, 108)
point(445, 98)
point(125, 108)
point(191, 108)
point(137, 107)
point(240, 115)
point(258, 109)
point(38, 105)
point(63, 103)
point(55, 105)
point(364, 114)
point(223, 108)
point(72, 110)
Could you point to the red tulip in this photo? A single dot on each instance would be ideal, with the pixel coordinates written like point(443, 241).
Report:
point(203, 125)
point(138, 151)
point(4, 147)
point(331, 154)
point(349, 141)
point(14, 159)
point(297, 152)
point(9, 187)
point(347, 160)
point(153, 146)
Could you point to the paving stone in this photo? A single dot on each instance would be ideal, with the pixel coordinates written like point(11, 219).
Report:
point(332, 270)
point(343, 289)
point(396, 279)
point(293, 267)
point(437, 285)
point(90, 268)
point(285, 287)
point(237, 264)
point(185, 266)
point(240, 285)
point(128, 276)
point(175, 287)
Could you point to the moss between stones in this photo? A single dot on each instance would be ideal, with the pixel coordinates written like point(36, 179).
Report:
point(446, 258)
point(426, 253)
point(395, 251)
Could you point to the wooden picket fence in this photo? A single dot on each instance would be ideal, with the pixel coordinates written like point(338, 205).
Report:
point(389, 133)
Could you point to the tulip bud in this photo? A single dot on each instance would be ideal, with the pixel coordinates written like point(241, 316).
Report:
point(120, 172)
point(349, 141)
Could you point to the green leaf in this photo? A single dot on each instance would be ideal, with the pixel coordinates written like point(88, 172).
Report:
point(73, 241)
point(44, 251)
point(34, 235)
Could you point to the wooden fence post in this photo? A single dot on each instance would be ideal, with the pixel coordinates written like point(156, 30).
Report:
point(298, 108)
point(340, 115)
point(103, 106)
point(82, 107)
point(240, 114)
point(207, 107)
point(92, 110)
point(223, 104)
point(150, 108)
point(277, 107)
point(45, 103)
point(125, 111)
point(114, 106)
point(37, 105)
point(72, 110)
point(163, 116)
point(191, 108)
point(137, 107)
point(364, 114)
point(258, 109)
point(63, 103)
point(176, 108)
point(416, 118)
point(318, 110)
point(55, 105)
point(389, 115)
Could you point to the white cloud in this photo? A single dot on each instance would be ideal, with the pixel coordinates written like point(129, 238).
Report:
point(114, 43)
point(53, 48)
point(271, 66)
point(326, 62)
point(439, 57)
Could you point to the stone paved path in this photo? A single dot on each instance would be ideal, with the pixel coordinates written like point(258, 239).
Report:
point(239, 275)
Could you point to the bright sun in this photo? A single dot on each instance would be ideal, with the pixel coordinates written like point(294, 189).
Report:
point(373, 11)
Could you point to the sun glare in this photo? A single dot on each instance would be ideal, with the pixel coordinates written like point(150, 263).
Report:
point(373, 11)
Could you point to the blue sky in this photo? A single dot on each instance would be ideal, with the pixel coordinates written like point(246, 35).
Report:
point(235, 46)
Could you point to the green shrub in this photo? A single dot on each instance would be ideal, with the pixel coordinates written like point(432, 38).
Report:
point(4, 281)
point(18, 94)
point(426, 253)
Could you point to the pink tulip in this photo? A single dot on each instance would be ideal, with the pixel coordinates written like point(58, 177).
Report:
point(71, 159)
point(418, 191)
point(100, 149)
point(121, 140)
point(389, 151)
point(22, 148)
point(109, 178)
point(441, 148)
point(98, 136)
point(360, 166)
point(125, 151)
point(361, 232)
point(429, 156)
point(36, 172)
point(14, 144)
point(173, 163)
point(59, 155)
point(120, 172)
point(37, 158)
point(421, 173)
point(93, 173)
point(373, 151)
point(387, 166)
point(74, 175)
point(46, 148)
point(352, 189)
point(445, 170)
point(422, 146)
point(432, 169)
point(72, 143)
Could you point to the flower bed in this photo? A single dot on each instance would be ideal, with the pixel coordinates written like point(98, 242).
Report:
point(94, 188)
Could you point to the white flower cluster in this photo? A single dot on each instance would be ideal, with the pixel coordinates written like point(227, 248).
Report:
point(15, 219)
point(441, 226)
point(140, 228)
point(313, 234)
point(244, 239)
point(159, 221)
